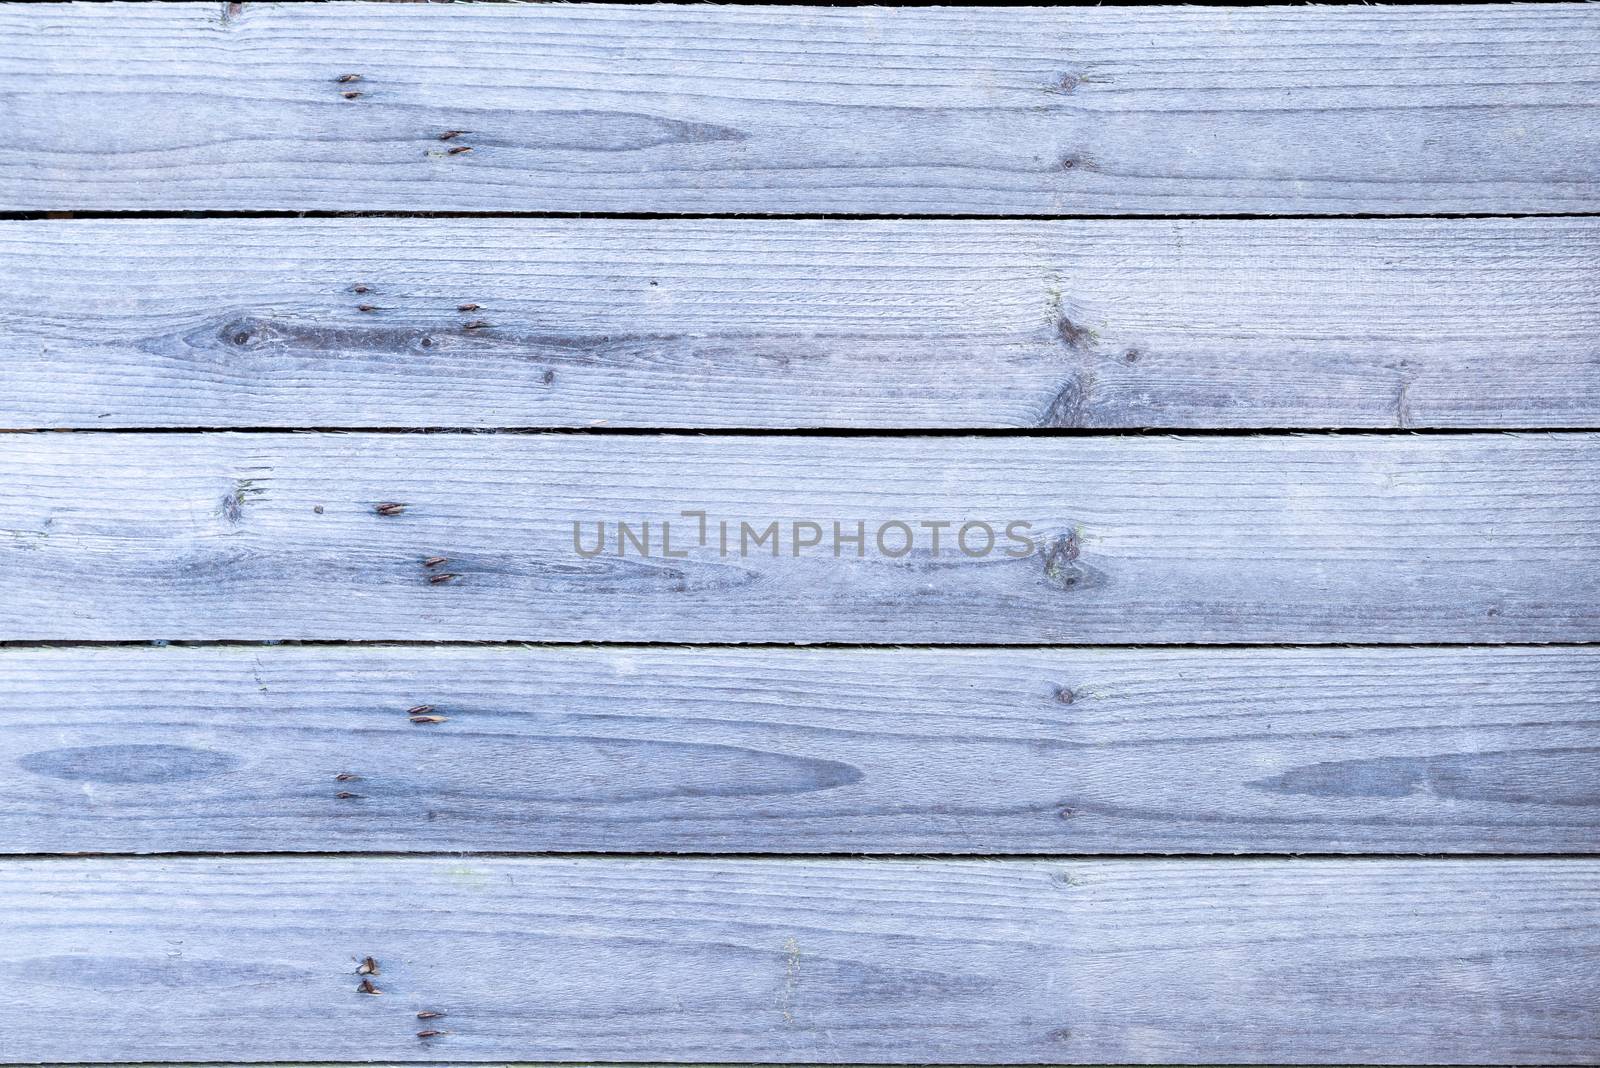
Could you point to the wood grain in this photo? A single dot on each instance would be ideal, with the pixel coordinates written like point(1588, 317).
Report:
point(804, 961)
point(391, 536)
point(730, 323)
point(771, 750)
point(1486, 108)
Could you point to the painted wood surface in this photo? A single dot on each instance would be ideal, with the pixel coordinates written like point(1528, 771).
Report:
point(751, 109)
point(774, 750)
point(390, 536)
point(803, 961)
point(731, 323)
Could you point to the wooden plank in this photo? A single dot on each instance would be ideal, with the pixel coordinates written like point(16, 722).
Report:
point(731, 323)
point(788, 751)
point(804, 961)
point(425, 537)
point(757, 109)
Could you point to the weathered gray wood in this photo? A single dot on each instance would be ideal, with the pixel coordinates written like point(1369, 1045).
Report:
point(771, 750)
point(391, 536)
point(803, 961)
point(663, 108)
point(729, 323)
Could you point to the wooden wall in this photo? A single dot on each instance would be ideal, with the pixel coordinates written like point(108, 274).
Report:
point(332, 333)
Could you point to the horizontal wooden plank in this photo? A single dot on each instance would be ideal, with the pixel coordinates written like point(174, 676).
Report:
point(1089, 540)
point(732, 323)
point(803, 961)
point(557, 107)
point(787, 751)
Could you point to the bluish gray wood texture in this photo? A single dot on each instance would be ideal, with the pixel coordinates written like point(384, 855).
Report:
point(770, 750)
point(658, 108)
point(387, 536)
point(803, 961)
point(729, 323)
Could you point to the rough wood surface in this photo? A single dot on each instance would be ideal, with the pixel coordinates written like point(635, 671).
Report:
point(661, 108)
point(774, 750)
point(803, 961)
point(389, 536)
point(730, 323)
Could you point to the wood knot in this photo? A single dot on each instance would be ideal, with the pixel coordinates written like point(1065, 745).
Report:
point(1059, 561)
point(423, 715)
point(1077, 338)
point(242, 332)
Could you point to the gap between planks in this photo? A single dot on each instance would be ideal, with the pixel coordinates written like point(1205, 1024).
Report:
point(623, 645)
point(794, 216)
point(830, 432)
point(694, 856)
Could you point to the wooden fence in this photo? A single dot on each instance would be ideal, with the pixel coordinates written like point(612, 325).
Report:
point(471, 498)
